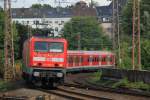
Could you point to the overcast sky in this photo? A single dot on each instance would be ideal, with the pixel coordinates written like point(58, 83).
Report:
point(28, 3)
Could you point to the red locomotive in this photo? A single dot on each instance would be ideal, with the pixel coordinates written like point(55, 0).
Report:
point(46, 60)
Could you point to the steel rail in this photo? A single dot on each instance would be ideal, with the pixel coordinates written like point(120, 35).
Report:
point(73, 95)
point(74, 91)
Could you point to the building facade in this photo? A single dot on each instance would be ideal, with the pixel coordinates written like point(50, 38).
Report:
point(105, 15)
point(55, 18)
point(50, 18)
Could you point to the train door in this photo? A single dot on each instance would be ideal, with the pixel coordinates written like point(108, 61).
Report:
point(95, 60)
point(85, 60)
point(108, 59)
point(90, 60)
point(80, 60)
point(76, 60)
point(100, 60)
point(70, 61)
point(104, 61)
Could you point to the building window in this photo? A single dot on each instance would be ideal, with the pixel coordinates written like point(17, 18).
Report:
point(109, 29)
point(23, 22)
point(34, 22)
point(37, 22)
point(27, 22)
point(46, 21)
point(56, 29)
point(36, 14)
point(106, 19)
point(56, 22)
point(50, 21)
point(62, 22)
point(14, 14)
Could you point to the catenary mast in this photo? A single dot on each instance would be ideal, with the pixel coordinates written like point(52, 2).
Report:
point(8, 44)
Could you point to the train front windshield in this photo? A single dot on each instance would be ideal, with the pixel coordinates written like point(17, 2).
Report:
point(49, 47)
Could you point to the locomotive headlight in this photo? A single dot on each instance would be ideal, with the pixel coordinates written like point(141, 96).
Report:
point(36, 74)
point(59, 74)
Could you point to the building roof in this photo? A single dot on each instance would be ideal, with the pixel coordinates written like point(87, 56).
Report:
point(42, 12)
point(80, 9)
point(104, 11)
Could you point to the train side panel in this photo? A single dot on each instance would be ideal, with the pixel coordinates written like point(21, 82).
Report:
point(83, 60)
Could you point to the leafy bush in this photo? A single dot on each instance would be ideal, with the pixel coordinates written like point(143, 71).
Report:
point(96, 76)
point(88, 31)
point(131, 85)
point(121, 83)
point(4, 86)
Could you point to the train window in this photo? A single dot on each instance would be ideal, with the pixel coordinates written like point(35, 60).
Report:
point(41, 46)
point(56, 47)
point(90, 59)
point(103, 59)
point(77, 60)
point(48, 46)
point(99, 58)
point(74, 59)
point(70, 59)
point(96, 59)
point(93, 60)
point(109, 59)
point(81, 59)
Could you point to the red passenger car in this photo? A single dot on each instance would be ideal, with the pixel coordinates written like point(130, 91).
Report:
point(46, 60)
point(85, 60)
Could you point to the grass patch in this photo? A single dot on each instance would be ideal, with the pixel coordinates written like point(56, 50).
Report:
point(123, 83)
point(131, 85)
point(5, 86)
point(96, 76)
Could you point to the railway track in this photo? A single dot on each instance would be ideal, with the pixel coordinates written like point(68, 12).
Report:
point(74, 94)
point(81, 82)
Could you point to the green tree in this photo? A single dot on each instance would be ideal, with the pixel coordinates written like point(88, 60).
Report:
point(15, 38)
point(145, 54)
point(16, 41)
point(41, 6)
point(42, 32)
point(1, 28)
point(88, 31)
point(145, 18)
point(36, 6)
point(22, 36)
point(126, 19)
point(47, 6)
point(1, 40)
